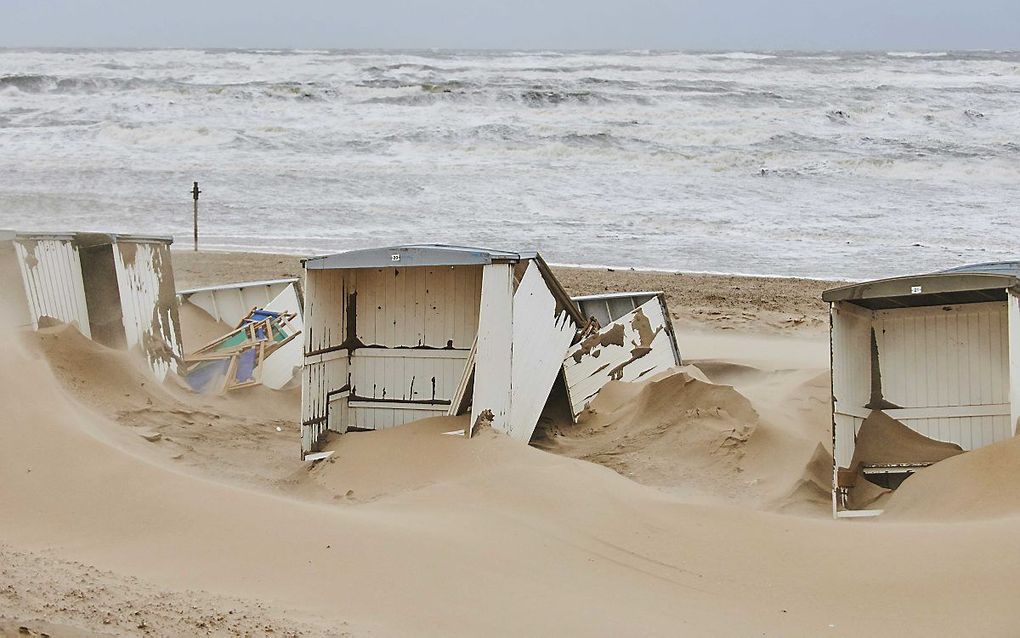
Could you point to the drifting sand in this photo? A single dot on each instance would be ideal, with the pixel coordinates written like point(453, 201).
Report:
point(704, 517)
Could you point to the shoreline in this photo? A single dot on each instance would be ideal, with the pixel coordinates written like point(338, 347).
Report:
point(610, 267)
point(702, 301)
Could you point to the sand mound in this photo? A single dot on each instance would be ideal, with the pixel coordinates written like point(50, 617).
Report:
point(675, 431)
point(227, 437)
point(453, 540)
point(812, 493)
point(883, 440)
point(976, 485)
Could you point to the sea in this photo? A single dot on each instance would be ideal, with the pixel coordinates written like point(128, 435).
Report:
point(824, 165)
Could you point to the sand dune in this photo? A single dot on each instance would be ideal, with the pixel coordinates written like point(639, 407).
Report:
point(216, 527)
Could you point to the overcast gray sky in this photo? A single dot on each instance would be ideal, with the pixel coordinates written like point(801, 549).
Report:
point(515, 24)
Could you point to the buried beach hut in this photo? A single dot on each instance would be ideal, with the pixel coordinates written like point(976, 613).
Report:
point(117, 290)
point(923, 367)
point(398, 334)
point(630, 338)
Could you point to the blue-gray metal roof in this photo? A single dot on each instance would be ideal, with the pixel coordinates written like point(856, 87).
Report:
point(964, 284)
point(415, 255)
point(1008, 268)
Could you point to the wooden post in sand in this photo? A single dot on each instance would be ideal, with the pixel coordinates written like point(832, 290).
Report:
point(194, 195)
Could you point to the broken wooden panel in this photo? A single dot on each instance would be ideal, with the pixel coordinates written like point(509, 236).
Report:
point(851, 375)
point(541, 337)
point(149, 303)
point(15, 311)
point(324, 380)
point(51, 274)
point(230, 303)
point(638, 345)
point(491, 396)
point(1013, 328)
point(607, 308)
point(281, 366)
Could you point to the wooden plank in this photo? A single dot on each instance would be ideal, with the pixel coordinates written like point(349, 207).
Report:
point(413, 353)
point(1013, 377)
point(491, 395)
point(954, 411)
point(403, 405)
point(541, 338)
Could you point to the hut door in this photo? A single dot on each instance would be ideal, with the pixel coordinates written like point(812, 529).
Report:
point(102, 296)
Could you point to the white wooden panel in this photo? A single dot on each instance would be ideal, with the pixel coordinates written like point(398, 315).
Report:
point(495, 347)
point(321, 384)
point(850, 343)
point(541, 337)
point(1013, 380)
point(148, 301)
point(326, 300)
point(280, 367)
point(969, 367)
point(635, 346)
point(377, 374)
point(51, 272)
point(231, 302)
point(433, 307)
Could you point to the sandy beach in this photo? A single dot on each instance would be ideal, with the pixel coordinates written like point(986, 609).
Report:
point(696, 503)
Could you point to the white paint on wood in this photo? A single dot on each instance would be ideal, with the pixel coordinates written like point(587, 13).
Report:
point(284, 363)
point(947, 356)
point(620, 351)
point(851, 374)
point(460, 397)
point(494, 353)
point(51, 273)
point(541, 337)
point(149, 303)
point(1013, 328)
point(231, 303)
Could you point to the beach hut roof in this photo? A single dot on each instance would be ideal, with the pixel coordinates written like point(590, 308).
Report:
point(415, 255)
point(84, 238)
point(965, 284)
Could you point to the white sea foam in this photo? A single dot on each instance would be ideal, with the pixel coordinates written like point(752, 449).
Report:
point(817, 165)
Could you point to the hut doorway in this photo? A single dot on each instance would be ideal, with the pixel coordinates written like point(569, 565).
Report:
point(102, 295)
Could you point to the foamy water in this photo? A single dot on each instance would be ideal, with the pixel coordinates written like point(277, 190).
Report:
point(820, 165)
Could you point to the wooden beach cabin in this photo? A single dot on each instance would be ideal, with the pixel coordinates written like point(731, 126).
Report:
point(923, 367)
point(634, 340)
point(397, 334)
point(117, 289)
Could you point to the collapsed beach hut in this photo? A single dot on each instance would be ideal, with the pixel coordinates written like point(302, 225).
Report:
point(117, 290)
point(630, 338)
point(230, 303)
point(397, 334)
point(923, 367)
point(247, 355)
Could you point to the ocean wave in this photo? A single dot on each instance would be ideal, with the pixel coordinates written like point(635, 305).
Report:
point(56, 84)
point(917, 54)
point(740, 55)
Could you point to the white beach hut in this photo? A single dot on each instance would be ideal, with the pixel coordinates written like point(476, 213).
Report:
point(117, 289)
point(928, 365)
point(398, 334)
